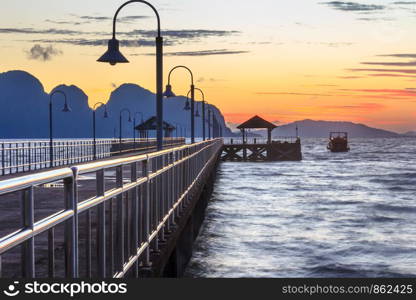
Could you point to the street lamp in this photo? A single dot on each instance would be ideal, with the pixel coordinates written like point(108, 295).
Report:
point(114, 56)
point(65, 109)
point(179, 126)
point(203, 112)
point(121, 113)
point(169, 94)
point(209, 123)
point(134, 126)
point(96, 106)
point(197, 115)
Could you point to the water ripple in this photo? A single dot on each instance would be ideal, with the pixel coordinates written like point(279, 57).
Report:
point(331, 215)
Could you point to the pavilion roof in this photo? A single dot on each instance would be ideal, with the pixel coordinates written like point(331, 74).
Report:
point(256, 122)
point(151, 124)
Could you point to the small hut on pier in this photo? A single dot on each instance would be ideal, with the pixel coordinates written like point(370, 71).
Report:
point(257, 123)
point(151, 124)
point(284, 149)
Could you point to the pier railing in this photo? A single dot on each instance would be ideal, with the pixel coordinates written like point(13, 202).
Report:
point(115, 212)
point(25, 156)
point(259, 140)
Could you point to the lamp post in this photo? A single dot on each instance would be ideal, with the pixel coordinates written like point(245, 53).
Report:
point(209, 123)
point(96, 106)
point(203, 113)
point(114, 56)
point(120, 124)
point(65, 109)
point(134, 126)
point(169, 94)
point(179, 126)
point(197, 115)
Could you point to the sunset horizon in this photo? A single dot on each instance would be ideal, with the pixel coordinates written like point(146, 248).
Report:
point(189, 139)
point(320, 60)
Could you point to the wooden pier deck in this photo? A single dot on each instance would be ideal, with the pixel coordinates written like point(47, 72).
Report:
point(288, 149)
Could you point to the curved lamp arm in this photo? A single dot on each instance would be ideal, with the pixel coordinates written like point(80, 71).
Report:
point(138, 1)
point(202, 93)
point(198, 89)
point(98, 106)
point(184, 67)
point(57, 92)
point(126, 109)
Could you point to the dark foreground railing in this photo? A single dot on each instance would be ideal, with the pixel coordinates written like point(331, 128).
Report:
point(115, 212)
point(26, 156)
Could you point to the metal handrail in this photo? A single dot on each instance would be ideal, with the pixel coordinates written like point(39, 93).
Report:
point(25, 156)
point(177, 170)
point(260, 140)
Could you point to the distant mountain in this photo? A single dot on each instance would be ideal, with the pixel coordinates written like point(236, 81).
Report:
point(410, 133)
point(321, 129)
point(24, 110)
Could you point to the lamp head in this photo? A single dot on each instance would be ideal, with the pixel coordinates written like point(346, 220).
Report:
point(113, 55)
point(66, 108)
point(168, 92)
point(187, 105)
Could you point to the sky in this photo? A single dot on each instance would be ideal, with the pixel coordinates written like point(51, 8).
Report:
point(283, 60)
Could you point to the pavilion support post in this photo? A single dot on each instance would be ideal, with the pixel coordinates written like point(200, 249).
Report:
point(269, 135)
point(244, 145)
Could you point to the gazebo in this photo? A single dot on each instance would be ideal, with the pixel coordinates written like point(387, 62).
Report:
point(151, 124)
point(257, 123)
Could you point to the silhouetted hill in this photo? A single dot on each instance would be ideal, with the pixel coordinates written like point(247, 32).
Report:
point(311, 128)
point(24, 110)
point(410, 133)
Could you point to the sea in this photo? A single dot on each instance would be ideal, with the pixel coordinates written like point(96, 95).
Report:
point(331, 215)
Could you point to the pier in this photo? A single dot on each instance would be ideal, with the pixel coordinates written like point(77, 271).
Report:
point(26, 156)
point(115, 208)
point(134, 216)
point(260, 149)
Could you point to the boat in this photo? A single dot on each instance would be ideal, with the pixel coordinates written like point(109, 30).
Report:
point(338, 142)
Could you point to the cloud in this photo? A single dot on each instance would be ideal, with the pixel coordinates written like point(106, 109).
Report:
point(354, 6)
point(385, 93)
point(63, 22)
point(390, 75)
point(350, 77)
point(206, 52)
point(360, 106)
point(395, 64)
point(125, 19)
point(203, 79)
point(294, 94)
point(404, 71)
point(399, 55)
point(40, 31)
point(145, 37)
point(102, 42)
point(37, 52)
point(186, 34)
point(404, 3)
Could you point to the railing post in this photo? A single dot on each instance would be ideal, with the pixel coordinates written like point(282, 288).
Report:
point(101, 243)
point(28, 247)
point(146, 212)
point(120, 221)
point(71, 226)
point(135, 217)
point(2, 159)
point(51, 253)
